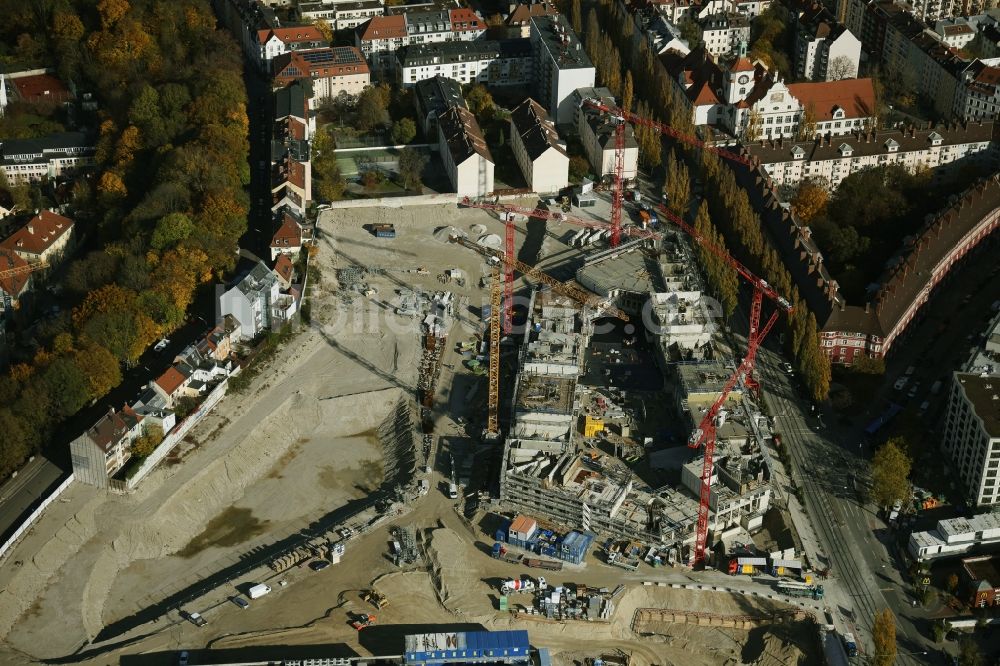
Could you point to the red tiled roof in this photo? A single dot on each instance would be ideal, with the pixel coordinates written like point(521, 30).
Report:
point(742, 65)
point(170, 380)
point(855, 96)
point(39, 234)
point(41, 87)
point(705, 95)
point(289, 234)
point(13, 284)
point(296, 129)
point(524, 12)
point(296, 174)
point(284, 268)
point(383, 27)
point(293, 65)
point(464, 19)
point(298, 33)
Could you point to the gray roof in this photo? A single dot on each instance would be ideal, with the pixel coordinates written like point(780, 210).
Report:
point(25, 150)
point(260, 278)
point(556, 37)
point(292, 99)
point(462, 133)
point(436, 53)
point(600, 123)
point(437, 94)
point(537, 131)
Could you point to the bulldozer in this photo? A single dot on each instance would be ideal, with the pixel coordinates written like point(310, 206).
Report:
point(376, 599)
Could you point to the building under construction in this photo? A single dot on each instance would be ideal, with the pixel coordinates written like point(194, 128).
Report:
point(552, 467)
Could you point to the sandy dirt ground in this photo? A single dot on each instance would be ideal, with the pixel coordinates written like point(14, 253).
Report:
point(299, 444)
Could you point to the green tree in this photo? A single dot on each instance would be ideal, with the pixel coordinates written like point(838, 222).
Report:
point(403, 131)
point(67, 387)
point(170, 230)
point(891, 473)
point(884, 637)
point(411, 167)
point(691, 33)
point(576, 17)
point(372, 109)
point(869, 366)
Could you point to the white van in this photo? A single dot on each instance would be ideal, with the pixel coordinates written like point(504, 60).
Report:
point(259, 590)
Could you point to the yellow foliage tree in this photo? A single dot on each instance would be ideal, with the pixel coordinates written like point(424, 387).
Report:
point(66, 25)
point(112, 11)
point(810, 200)
point(128, 143)
point(111, 185)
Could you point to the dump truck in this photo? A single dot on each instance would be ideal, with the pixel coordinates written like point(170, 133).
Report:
point(536, 563)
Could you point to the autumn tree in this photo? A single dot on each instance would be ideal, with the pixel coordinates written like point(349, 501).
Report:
point(480, 102)
point(325, 29)
point(952, 583)
point(839, 68)
point(810, 200)
point(576, 17)
point(677, 186)
point(373, 108)
point(144, 445)
point(807, 125)
point(99, 366)
point(884, 637)
point(721, 276)
point(891, 473)
point(628, 93)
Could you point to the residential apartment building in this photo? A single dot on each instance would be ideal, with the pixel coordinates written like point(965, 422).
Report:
point(434, 96)
point(536, 145)
point(53, 156)
point(828, 160)
point(292, 235)
point(597, 134)
point(12, 286)
point(45, 237)
point(561, 67)
point(257, 304)
point(825, 50)
point(723, 33)
point(331, 70)
point(972, 435)
point(495, 63)
point(105, 447)
point(273, 42)
point(380, 37)
point(466, 157)
point(519, 19)
point(293, 116)
point(676, 11)
point(340, 14)
point(977, 96)
point(745, 100)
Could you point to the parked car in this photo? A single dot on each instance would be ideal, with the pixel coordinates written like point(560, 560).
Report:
point(900, 383)
point(319, 565)
point(182, 658)
point(241, 602)
point(161, 345)
point(787, 367)
point(196, 619)
point(913, 390)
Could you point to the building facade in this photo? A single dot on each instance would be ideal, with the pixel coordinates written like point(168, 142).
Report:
point(561, 66)
point(54, 156)
point(972, 434)
point(830, 159)
point(273, 42)
point(257, 304)
point(597, 134)
point(722, 34)
point(331, 70)
point(825, 50)
point(539, 152)
point(492, 63)
point(466, 157)
point(46, 237)
point(105, 447)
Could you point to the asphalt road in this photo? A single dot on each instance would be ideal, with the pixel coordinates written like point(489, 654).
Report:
point(20, 495)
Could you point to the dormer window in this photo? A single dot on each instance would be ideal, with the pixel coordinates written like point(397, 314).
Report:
point(935, 138)
point(798, 153)
point(891, 145)
point(838, 113)
point(845, 150)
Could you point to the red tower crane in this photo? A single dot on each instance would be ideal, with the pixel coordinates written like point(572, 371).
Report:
point(705, 433)
point(620, 117)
